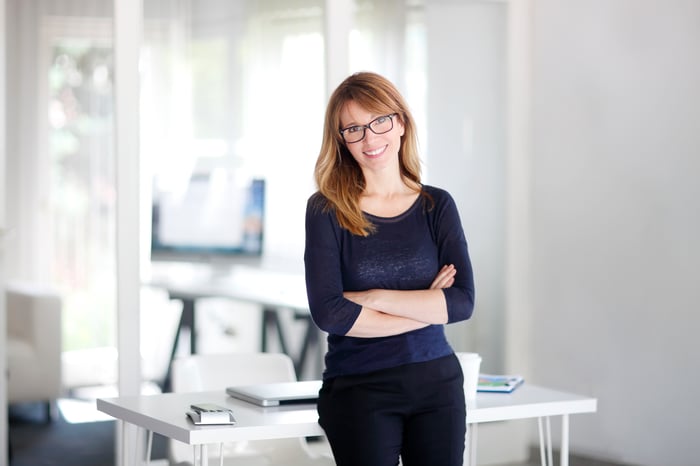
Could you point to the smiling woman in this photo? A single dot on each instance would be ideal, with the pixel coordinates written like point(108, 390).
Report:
point(386, 267)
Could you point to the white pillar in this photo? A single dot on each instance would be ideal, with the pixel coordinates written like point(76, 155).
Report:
point(518, 183)
point(128, 21)
point(518, 238)
point(3, 320)
point(338, 24)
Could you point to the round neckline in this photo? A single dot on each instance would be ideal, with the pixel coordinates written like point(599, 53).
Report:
point(397, 217)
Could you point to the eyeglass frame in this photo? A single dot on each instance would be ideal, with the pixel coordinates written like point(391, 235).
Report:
point(368, 126)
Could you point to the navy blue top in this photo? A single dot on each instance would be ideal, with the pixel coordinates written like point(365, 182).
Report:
point(404, 253)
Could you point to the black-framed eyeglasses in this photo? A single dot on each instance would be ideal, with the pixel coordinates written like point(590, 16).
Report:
point(380, 125)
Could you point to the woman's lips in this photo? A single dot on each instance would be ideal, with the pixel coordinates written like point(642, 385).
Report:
point(375, 152)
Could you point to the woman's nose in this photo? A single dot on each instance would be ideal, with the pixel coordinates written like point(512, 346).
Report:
point(369, 135)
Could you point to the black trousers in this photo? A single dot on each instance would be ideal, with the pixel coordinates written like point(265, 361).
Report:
point(416, 411)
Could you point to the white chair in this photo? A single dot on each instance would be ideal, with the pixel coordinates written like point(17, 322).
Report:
point(216, 372)
point(33, 344)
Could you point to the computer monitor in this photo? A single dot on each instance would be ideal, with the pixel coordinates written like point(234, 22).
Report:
point(214, 217)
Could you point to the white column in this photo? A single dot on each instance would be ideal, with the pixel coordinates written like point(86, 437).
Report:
point(338, 24)
point(518, 183)
point(127, 33)
point(518, 232)
point(3, 321)
point(128, 20)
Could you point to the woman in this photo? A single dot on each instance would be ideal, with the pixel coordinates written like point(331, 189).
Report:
point(386, 267)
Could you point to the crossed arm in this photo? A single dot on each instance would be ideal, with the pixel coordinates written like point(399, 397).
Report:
point(391, 312)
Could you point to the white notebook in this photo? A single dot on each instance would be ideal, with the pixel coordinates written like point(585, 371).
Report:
point(275, 394)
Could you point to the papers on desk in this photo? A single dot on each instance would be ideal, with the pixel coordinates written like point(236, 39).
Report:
point(498, 383)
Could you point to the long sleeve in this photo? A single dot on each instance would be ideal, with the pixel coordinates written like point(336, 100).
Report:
point(324, 284)
point(452, 249)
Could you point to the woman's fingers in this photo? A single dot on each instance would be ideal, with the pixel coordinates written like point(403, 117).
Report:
point(444, 278)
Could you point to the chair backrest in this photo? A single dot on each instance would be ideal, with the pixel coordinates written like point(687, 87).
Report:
point(29, 309)
point(206, 372)
point(202, 372)
point(33, 342)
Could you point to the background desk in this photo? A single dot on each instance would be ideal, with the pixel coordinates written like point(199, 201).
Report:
point(268, 284)
point(165, 414)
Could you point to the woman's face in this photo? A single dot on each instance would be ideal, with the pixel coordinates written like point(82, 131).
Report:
point(374, 152)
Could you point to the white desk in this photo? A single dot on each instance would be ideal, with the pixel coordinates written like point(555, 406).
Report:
point(270, 284)
point(165, 414)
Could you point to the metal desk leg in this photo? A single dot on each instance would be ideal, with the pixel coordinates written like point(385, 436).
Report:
point(271, 319)
point(548, 425)
point(564, 453)
point(121, 443)
point(545, 442)
point(131, 440)
point(470, 453)
point(187, 320)
point(204, 455)
point(149, 447)
point(201, 452)
point(310, 340)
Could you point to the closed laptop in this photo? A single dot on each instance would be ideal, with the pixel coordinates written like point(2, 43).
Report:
point(275, 394)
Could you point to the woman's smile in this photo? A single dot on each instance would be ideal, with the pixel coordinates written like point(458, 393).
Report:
point(374, 153)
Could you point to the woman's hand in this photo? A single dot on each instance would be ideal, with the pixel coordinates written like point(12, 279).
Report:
point(445, 277)
point(389, 312)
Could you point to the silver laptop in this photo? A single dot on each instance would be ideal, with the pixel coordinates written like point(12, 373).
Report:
point(275, 394)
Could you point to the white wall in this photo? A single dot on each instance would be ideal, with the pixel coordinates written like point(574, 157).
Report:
point(467, 154)
point(616, 221)
point(466, 150)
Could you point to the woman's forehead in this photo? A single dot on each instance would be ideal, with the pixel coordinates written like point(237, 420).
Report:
point(353, 111)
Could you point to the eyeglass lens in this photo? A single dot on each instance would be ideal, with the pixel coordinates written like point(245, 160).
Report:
point(380, 125)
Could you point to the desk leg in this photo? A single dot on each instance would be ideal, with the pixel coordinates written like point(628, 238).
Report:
point(131, 442)
point(310, 340)
point(121, 447)
point(470, 451)
point(545, 442)
point(271, 318)
point(186, 321)
point(548, 425)
point(149, 447)
point(203, 455)
point(564, 453)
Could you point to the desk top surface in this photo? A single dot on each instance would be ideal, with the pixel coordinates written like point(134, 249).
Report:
point(165, 413)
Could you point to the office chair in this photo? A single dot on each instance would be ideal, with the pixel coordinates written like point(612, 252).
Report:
point(203, 372)
point(33, 344)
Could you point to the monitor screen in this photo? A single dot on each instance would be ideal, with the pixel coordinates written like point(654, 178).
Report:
point(213, 216)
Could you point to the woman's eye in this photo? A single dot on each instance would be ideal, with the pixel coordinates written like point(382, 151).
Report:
point(354, 129)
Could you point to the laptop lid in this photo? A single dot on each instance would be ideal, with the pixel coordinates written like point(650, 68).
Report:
point(275, 394)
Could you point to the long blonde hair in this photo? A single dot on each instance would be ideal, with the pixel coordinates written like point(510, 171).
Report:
point(338, 176)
